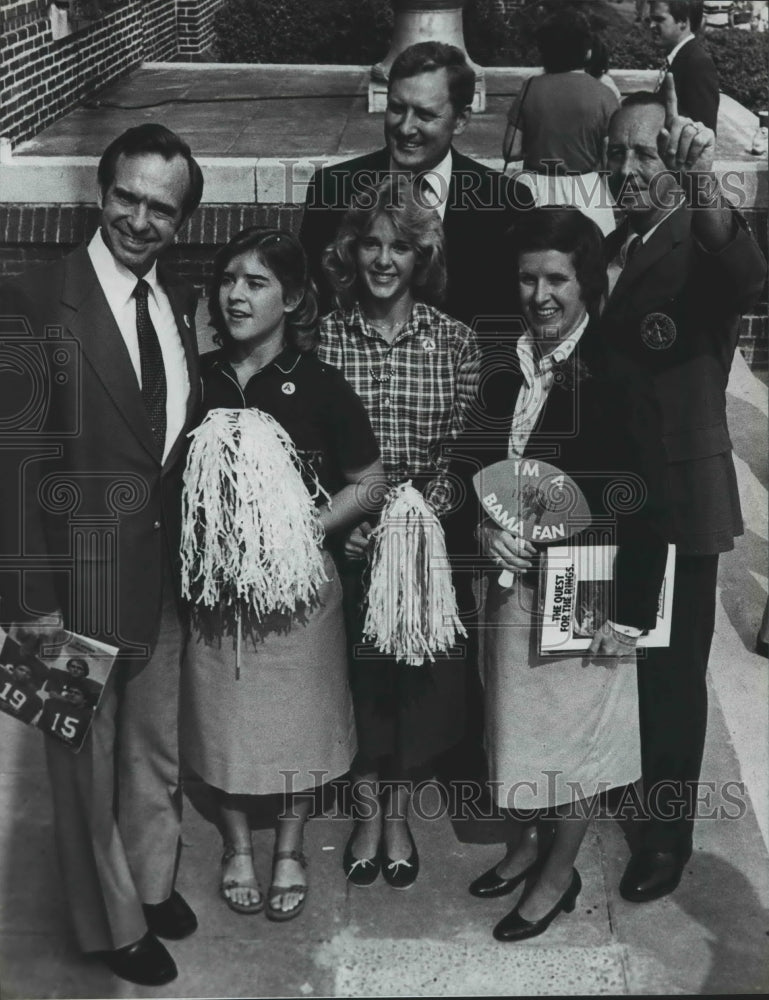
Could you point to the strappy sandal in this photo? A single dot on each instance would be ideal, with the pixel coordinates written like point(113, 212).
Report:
point(275, 891)
point(227, 884)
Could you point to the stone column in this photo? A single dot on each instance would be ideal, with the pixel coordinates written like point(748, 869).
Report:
point(422, 21)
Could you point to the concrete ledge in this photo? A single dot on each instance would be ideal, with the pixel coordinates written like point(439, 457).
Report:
point(263, 151)
point(277, 68)
point(71, 180)
point(49, 180)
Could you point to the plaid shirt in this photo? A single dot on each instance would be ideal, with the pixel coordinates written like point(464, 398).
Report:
point(417, 390)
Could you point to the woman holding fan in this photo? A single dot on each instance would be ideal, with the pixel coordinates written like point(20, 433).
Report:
point(561, 729)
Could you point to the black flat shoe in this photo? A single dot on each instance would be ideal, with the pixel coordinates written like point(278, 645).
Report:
point(172, 919)
point(652, 874)
point(402, 873)
point(491, 884)
point(360, 871)
point(514, 927)
point(145, 962)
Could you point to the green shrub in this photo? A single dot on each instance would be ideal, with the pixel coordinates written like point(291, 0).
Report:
point(298, 31)
point(358, 32)
point(741, 58)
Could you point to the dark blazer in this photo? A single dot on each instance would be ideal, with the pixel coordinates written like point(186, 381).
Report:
point(88, 506)
point(696, 79)
point(675, 310)
point(601, 426)
point(482, 205)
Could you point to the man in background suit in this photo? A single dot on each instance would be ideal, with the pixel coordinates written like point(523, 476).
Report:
point(115, 338)
point(684, 266)
point(430, 93)
point(674, 24)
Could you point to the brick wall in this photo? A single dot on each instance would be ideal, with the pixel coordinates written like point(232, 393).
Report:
point(14, 13)
point(159, 42)
point(195, 26)
point(42, 78)
point(34, 234)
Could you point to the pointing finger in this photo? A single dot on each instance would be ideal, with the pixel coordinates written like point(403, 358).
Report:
point(671, 99)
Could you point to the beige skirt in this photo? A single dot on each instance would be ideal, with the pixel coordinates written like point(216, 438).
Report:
point(282, 720)
point(558, 728)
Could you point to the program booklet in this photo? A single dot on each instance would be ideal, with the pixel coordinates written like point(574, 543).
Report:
point(576, 596)
point(57, 689)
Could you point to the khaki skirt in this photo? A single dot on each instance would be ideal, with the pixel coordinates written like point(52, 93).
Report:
point(281, 720)
point(558, 728)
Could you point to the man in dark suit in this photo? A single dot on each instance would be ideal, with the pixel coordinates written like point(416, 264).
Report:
point(91, 484)
point(685, 266)
point(429, 102)
point(674, 24)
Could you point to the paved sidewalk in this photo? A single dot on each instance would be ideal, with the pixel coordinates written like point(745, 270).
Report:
point(709, 937)
point(243, 111)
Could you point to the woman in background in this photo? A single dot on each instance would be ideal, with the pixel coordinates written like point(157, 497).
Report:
point(558, 122)
point(598, 65)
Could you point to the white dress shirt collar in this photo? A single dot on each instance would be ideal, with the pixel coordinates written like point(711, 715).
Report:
point(117, 282)
point(437, 180)
point(672, 54)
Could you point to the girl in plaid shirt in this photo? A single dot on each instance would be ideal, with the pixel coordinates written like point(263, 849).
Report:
point(417, 372)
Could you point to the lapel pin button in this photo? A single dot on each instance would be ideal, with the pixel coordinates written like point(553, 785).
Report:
point(288, 388)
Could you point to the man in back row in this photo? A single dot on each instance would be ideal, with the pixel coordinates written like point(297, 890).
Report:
point(429, 102)
point(674, 26)
point(429, 99)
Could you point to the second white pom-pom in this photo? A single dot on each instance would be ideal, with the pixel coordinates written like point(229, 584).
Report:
point(412, 607)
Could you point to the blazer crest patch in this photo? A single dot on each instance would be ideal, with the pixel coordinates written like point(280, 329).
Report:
point(658, 331)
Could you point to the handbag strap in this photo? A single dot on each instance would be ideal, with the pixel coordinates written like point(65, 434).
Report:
point(508, 151)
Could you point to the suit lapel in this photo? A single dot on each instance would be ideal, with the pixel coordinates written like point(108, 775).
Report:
point(93, 326)
point(185, 324)
point(459, 204)
point(671, 232)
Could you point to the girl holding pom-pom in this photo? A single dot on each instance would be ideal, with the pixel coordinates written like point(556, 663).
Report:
point(266, 705)
point(416, 370)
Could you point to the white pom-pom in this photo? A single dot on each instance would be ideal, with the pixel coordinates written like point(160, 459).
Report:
point(251, 536)
point(412, 607)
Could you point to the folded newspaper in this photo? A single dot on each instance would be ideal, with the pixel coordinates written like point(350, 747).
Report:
point(58, 689)
point(576, 596)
